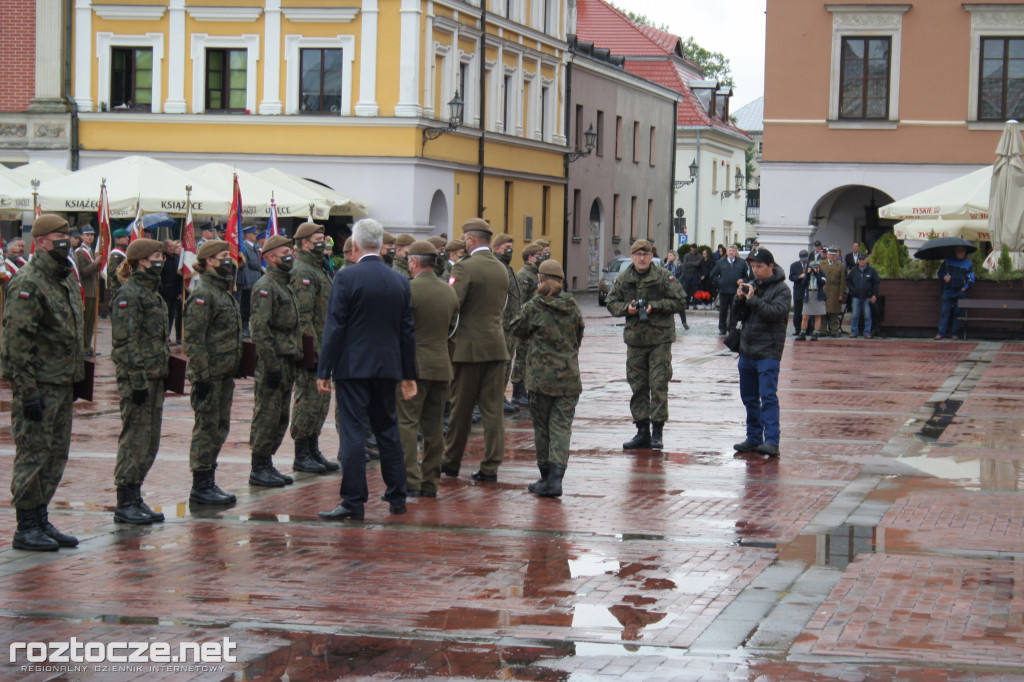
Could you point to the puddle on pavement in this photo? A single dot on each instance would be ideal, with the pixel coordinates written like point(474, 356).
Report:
point(836, 548)
point(943, 413)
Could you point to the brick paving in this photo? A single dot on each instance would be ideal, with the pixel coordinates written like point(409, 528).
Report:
point(882, 545)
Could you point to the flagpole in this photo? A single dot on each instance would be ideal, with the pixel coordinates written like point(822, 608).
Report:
point(101, 243)
point(181, 257)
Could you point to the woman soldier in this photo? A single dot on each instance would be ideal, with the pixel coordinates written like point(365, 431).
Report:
point(552, 322)
point(213, 344)
point(139, 325)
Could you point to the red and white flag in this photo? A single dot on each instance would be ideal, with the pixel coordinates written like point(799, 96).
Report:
point(37, 212)
point(103, 221)
point(187, 259)
point(234, 227)
point(137, 225)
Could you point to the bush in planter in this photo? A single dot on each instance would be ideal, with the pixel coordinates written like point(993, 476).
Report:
point(886, 257)
point(1004, 270)
point(978, 259)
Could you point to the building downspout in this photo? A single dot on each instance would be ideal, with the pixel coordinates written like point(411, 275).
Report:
point(72, 104)
point(672, 238)
point(696, 189)
point(483, 99)
point(565, 162)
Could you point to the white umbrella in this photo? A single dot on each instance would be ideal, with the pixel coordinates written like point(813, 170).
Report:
point(39, 170)
point(963, 198)
point(257, 192)
point(339, 203)
point(1006, 215)
point(924, 229)
point(12, 198)
point(159, 187)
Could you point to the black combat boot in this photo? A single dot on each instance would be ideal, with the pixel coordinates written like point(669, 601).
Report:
point(30, 536)
point(63, 539)
point(314, 450)
point(551, 486)
point(656, 429)
point(544, 468)
point(205, 490)
point(509, 406)
point(261, 473)
point(304, 458)
point(288, 480)
point(155, 515)
point(128, 509)
point(520, 396)
point(642, 439)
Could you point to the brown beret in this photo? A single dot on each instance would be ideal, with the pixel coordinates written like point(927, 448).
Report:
point(476, 225)
point(49, 223)
point(422, 248)
point(438, 242)
point(348, 245)
point(501, 239)
point(641, 244)
point(211, 248)
point(404, 239)
point(388, 238)
point(454, 245)
point(552, 268)
point(544, 243)
point(276, 242)
point(531, 249)
point(142, 248)
point(307, 230)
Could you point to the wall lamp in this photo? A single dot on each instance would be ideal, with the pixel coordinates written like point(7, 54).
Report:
point(589, 139)
point(739, 186)
point(679, 184)
point(454, 120)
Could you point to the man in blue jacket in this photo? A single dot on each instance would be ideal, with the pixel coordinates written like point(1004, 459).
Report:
point(957, 276)
point(862, 288)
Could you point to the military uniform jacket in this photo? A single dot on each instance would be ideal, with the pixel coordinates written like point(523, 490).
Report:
point(481, 283)
point(138, 324)
point(401, 264)
point(114, 261)
point(835, 285)
point(274, 320)
point(528, 279)
point(213, 330)
point(435, 307)
point(312, 289)
point(43, 327)
point(665, 296)
point(514, 301)
point(88, 270)
point(554, 329)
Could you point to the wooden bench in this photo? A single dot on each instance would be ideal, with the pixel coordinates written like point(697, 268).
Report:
point(1005, 312)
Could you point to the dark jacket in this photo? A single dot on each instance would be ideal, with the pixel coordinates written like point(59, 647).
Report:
point(765, 316)
point(862, 283)
point(691, 265)
point(796, 269)
point(819, 291)
point(725, 275)
point(961, 275)
point(250, 270)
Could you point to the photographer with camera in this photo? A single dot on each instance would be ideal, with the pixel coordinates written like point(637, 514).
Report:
point(649, 299)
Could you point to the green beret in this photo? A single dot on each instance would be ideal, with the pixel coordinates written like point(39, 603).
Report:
point(119, 234)
point(422, 248)
point(49, 223)
point(454, 245)
point(551, 268)
point(307, 230)
point(438, 242)
point(501, 239)
point(404, 239)
point(276, 241)
point(531, 249)
point(476, 225)
point(640, 245)
point(544, 243)
point(387, 238)
point(142, 248)
point(348, 245)
point(211, 248)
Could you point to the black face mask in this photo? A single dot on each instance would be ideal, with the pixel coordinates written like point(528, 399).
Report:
point(61, 249)
point(155, 267)
point(318, 249)
point(286, 263)
point(505, 257)
point(224, 269)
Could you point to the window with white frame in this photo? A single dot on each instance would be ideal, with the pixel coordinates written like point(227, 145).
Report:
point(224, 69)
point(318, 75)
point(130, 70)
point(996, 85)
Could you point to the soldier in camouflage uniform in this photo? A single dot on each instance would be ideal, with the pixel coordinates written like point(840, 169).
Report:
point(213, 344)
point(275, 331)
point(41, 354)
point(527, 280)
point(401, 262)
point(502, 246)
point(387, 249)
point(114, 260)
point(139, 326)
point(312, 290)
point(552, 322)
point(648, 343)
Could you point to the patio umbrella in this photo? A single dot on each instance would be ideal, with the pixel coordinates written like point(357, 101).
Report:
point(257, 192)
point(339, 203)
point(154, 221)
point(943, 248)
point(41, 171)
point(1006, 215)
point(963, 198)
point(928, 228)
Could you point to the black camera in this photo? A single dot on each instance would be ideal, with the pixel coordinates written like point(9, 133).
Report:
point(641, 309)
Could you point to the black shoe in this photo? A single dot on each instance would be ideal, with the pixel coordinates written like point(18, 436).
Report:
point(642, 439)
point(342, 513)
point(155, 515)
point(551, 486)
point(656, 431)
point(314, 450)
point(288, 480)
point(128, 509)
point(510, 407)
point(206, 491)
point(722, 333)
point(477, 417)
point(30, 536)
point(398, 508)
point(428, 493)
point(262, 474)
point(412, 493)
point(519, 395)
point(304, 458)
point(769, 449)
point(484, 478)
point(801, 337)
point(62, 539)
point(746, 446)
point(686, 326)
point(544, 469)
point(450, 473)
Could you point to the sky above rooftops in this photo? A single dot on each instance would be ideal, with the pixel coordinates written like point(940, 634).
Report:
point(735, 29)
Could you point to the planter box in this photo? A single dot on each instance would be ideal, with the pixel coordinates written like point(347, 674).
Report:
point(912, 307)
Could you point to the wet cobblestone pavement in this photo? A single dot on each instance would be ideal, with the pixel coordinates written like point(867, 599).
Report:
point(886, 542)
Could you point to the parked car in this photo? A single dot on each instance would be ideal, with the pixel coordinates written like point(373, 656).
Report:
point(611, 273)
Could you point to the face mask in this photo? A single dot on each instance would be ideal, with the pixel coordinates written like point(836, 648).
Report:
point(318, 249)
point(439, 265)
point(505, 257)
point(391, 253)
point(286, 264)
point(156, 267)
point(224, 269)
point(60, 250)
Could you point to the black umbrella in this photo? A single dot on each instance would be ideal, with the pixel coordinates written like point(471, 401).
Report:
point(943, 248)
point(153, 221)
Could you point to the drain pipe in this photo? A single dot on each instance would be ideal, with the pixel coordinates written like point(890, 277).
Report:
point(482, 94)
point(72, 104)
point(696, 190)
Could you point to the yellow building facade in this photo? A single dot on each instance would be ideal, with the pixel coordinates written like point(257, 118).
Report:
point(343, 93)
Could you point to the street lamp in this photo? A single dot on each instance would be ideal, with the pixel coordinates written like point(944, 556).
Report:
point(455, 107)
point(739, 186)
point(589, 139)
point(679, 184)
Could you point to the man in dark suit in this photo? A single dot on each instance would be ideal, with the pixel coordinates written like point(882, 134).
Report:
point(798, 276)
point(369, 346)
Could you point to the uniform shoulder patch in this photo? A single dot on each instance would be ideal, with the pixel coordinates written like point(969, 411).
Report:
point(23, 294)
point(306, 282)
point(264, 292)
point(122, 304)
point(200, 301)
point(671, 278)
point(451, 281)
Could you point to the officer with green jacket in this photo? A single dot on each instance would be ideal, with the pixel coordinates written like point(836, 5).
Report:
point(527, 280)
point(41, 354)
point(648, 298)
point(503, 245)
point(213, 344)
point(401, 261)
point(275, 331)
point(312, 290)
point(139, 327)
point(553, 323)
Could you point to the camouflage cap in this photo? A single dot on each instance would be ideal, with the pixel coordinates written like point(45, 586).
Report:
point(438, 242)
point(501, 239)
point(531, 249)
point(476, 225)
point(422, 248)
point(276, 242)
point(640, 245)
point(142, 248)
point(306, 230)
point(551, 268)
point(404, 239)
point(49, 223)
point(454, 245)
point(211, 248)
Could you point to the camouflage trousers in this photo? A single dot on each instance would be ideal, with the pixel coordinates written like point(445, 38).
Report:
point(310, 407)
point(270, 414)
point(552, 426)
point(648, 370)
point(519, 368)
point(510, 346)
point(40, 448)
point(213, 421)
point(140, 433)
point(424, 413)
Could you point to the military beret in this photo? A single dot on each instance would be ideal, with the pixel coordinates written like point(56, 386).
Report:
point(88, 230)
point(552, 268)
point(142, 248)
point(348, 245)
point(454, 245)
point(501, 239)
point(544, 243)
point(211, 248)
point(422, 248)
point(476, 225)
point(307, 230)
point(531, 249)
point(276, 241)
point(49, 223)
point(404, 239)
point(388, 238)
point(438, 242)
point(119, 234)
point(641, 245)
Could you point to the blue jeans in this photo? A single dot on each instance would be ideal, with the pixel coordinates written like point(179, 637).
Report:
point(861, 305)
point(950, 308)
point(759, 384)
